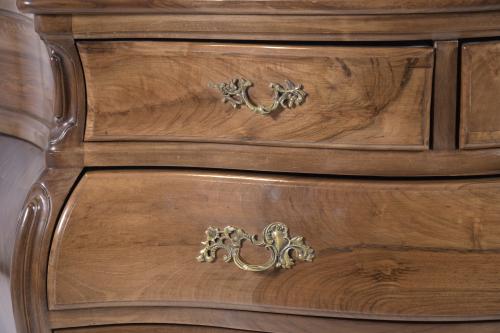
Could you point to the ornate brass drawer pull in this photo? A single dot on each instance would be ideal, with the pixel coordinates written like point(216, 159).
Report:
point(275, 238)
point(235, 93)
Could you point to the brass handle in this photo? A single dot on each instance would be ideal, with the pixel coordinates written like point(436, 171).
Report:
point(235, 93)
point(275, 238)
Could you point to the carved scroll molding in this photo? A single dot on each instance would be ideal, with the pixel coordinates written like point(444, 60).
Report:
point(69, 106)
point(35, 214)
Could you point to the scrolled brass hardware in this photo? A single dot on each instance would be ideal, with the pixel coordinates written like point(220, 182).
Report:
point(235, 92)
point(275, 238)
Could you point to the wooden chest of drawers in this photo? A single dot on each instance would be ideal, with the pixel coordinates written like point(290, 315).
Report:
point(270, 166)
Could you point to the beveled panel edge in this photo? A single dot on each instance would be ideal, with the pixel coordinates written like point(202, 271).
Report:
point(59, 229)
point(472, 146)
point(236, 319)
point(271, 310)
point(387, 27)
point(423, 146)
point(465, 95)
point(251, 7)
point(465, 71)
point(226, 318)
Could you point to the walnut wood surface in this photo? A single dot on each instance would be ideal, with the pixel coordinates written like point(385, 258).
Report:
point(480, 119)
point(385, 249)
point(280, 159)
point(395, 250)
point(279, 27)
point(150, 329)
point(255, 321)
point(258, 7)
point(334, 327)
point(445, 96)
point(26, 86)
point(29, 261)
point(366, 98)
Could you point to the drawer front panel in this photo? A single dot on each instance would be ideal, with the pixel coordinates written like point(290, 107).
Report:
point(357, 97)
point(383, 249)
point(480, 95)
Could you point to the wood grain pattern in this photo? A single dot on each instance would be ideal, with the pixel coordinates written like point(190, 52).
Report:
point(257, 7)
point(445, 96)
point(334, 327)
point(255, 321)
point(150, 329)
point(280, 159)
point(480, 120)
point(34, 234)
point(283, 27)
point(123, 258)
point(385, 249)
point(26, 84)
point(367, 98)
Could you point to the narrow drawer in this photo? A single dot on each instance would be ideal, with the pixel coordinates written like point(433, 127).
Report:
point(337, 97)
point(480, 121)
point(382, 249)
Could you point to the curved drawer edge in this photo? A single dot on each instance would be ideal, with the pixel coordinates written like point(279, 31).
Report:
point(253, 321)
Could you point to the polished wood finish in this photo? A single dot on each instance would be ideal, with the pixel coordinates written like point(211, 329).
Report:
point(480, 120)
point(365, 98)
point(150, 329)
point(385, 249)
point(280, 159)
point(256, 321)
point(420, 254)
point(445, 96)
point(258, 7)
point(35, 228)
point(281, 27)
point(26, 85)
point(336, 327)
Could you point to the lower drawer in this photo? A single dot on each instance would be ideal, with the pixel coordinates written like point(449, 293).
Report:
point(382, 249)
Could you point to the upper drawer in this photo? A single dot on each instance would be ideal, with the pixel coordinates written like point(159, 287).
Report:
point(357, 97)
point(480, 120)
point(406, 249)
